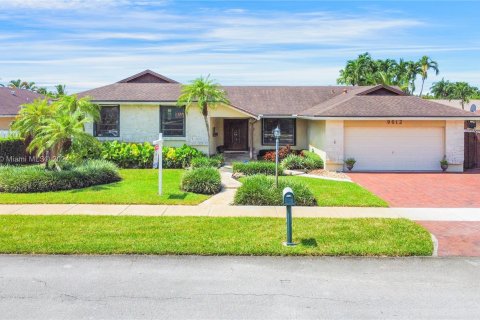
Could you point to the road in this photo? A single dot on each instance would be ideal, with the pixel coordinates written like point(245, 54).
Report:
point(126, 287)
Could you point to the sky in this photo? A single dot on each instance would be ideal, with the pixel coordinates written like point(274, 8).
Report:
point(89, 43)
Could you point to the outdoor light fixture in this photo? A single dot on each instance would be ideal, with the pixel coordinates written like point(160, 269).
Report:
point(276, 134)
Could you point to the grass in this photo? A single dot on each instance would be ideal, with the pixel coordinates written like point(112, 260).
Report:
point(139, 186)
point(330, 193)
point(210, 236)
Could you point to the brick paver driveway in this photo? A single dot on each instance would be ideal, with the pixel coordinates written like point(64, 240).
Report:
point(455, 238)
point(424, 190)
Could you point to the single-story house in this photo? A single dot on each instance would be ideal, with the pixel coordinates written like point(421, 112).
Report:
point(10, 101)
point(383, 128)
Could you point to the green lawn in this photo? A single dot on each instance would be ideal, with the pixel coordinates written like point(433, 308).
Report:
point(210, 236)
point(139, 186)
point(330, 193)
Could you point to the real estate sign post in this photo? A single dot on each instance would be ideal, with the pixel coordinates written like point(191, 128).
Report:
point(157, 160)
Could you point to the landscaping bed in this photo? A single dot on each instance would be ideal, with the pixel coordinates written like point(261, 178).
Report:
point(138, 186)
point(210, 236)
point(326, 193)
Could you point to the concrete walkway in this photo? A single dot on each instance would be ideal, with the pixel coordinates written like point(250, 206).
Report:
point(229, 187)
point(421, 214)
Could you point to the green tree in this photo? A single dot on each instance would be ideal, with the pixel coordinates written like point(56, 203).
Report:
point(357, 72)
point(203, 93)
point(426, 64)
point(464, 92)
point(16, 84)
point(60, 90)
point(442, 89)
point(54, 128)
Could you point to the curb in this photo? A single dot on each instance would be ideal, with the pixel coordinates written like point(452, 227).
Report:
point(435, 245)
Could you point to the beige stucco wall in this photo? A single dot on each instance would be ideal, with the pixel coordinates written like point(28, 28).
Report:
point(454, 145)
point(5, 122)
point(325, 137)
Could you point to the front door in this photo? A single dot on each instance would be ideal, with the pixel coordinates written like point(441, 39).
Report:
point(236, 134)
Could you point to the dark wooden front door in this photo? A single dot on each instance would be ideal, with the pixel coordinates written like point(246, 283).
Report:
point(235, 134)
point(472, 150)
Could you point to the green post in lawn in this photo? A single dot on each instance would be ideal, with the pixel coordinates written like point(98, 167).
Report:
point(158, 147)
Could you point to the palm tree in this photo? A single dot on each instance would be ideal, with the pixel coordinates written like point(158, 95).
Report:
point(413, 69)
point(60, 90)
point(59, 133)
point(442, 89)
point(29, 85)
point(205, 94)
point(31, 117)
point(83, 107)
point(358, 72)
point(15, 84)
point(426, 63)
point(462, 91)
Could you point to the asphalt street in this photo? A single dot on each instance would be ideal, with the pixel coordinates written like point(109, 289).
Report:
point(169, 287)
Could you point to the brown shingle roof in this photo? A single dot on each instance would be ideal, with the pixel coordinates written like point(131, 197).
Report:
point(11, 99)
point(317, 101)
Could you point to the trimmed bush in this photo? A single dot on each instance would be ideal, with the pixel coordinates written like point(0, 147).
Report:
point(256, 167)
point(293, 162)
point(260, 190)
point(204, 162)
point(202, 180)
point(36, 179)
point(313, 160)
point(13, 151)
point(306, 161)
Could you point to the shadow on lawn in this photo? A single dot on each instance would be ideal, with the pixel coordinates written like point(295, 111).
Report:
point(309, 242)
point(177, 196)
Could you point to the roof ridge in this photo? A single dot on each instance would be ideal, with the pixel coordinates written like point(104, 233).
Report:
point(147, 71)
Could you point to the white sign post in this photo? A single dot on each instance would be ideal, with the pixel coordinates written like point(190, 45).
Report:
point(158, 160)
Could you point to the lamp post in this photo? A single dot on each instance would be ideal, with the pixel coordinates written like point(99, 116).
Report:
point(276, 134)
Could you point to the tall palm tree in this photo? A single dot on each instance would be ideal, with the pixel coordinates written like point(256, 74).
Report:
point(426, 64)
point(205, 94)
point(29, 85)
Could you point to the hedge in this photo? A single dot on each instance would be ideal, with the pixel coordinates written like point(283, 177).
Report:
point(13, 151)
point(256, 167)
point(202, 180)
point(260, 190)
point(36, 178)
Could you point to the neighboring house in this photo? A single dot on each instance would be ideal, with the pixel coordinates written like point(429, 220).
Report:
point(10, 101)
point(381, 127)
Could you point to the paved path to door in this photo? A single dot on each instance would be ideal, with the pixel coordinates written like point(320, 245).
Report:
point(423, 190)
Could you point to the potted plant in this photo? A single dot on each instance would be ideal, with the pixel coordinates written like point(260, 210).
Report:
point(444, 164)
point(350, 162)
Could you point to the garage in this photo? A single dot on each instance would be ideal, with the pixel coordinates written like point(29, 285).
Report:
point(395, 147)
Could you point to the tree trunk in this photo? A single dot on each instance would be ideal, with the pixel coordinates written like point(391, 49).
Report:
point(421, 90)
point(205, 118)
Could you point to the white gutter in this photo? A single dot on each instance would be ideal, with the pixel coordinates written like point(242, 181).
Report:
point(389, 118)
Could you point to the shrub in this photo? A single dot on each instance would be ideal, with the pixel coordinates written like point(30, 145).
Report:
point(260, 190)
point(205, 162)
point(312, 160)
point(179, 157)
point(293, 162)
point(256, 167)
point(38, 179)
point(12, 151)
point(128, 155)
point(202, 180)
point(283, 152)
point(306, 161)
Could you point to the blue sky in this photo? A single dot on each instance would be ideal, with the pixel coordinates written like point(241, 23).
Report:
point(85, 44)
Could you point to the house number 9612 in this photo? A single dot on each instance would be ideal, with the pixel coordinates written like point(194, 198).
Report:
point(394, 121)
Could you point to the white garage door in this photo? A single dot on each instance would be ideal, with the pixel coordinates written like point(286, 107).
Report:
point(394, 148)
